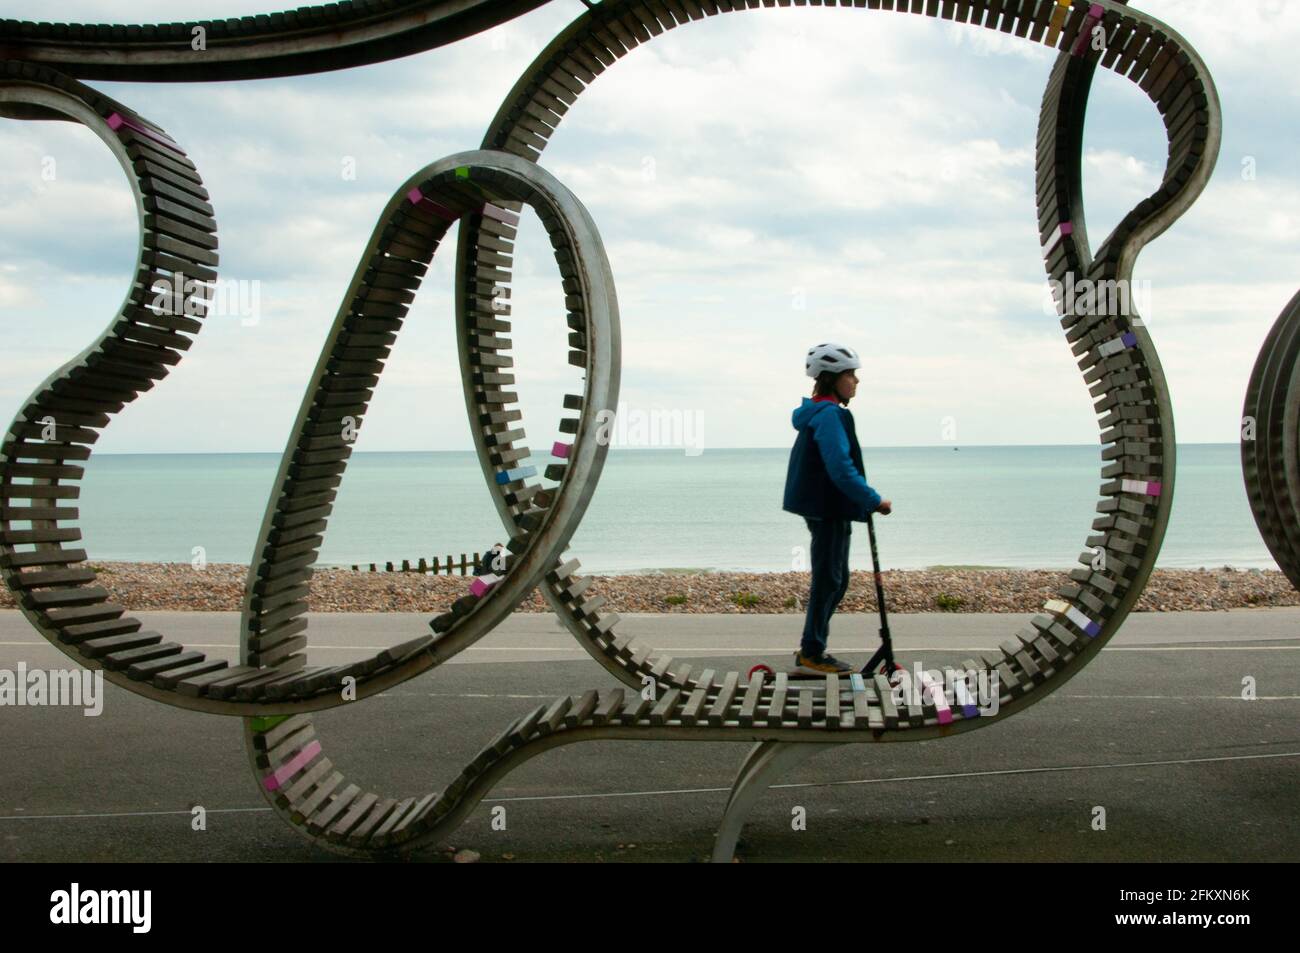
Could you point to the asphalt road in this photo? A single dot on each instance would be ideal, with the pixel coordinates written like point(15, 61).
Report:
point(1154, 731)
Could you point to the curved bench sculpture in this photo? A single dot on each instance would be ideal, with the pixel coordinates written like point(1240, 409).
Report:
point(310, 39)
point(484, 191)
point(1270, 445)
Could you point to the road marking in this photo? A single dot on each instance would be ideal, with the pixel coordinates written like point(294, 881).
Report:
point(465, 695)
point(1231, 698)
point(1235, 698)
point(917, 777)
point(764, 650)
point(718, 790)
point(350, 648)
point(77, 817)
point(1202, 648)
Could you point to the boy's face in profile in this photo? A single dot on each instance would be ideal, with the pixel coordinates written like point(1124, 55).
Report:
point(846, 385)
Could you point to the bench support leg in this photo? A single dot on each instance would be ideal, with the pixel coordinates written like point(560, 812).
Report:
point(766, 762)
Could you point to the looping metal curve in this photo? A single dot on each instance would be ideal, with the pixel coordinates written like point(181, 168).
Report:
point(57, 425)
point(293, 772)
point(484, 190)
point(309, 39)
point(1114, 351)
point(1270, 440)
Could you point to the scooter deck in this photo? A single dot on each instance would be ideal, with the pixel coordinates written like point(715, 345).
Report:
point(795, 674)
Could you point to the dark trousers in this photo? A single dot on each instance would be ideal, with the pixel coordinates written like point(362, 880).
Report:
point(830, 580)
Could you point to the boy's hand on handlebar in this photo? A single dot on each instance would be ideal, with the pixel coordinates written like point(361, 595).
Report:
point(885, 507)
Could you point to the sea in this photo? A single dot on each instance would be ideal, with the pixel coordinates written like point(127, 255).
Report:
point(1028, 507)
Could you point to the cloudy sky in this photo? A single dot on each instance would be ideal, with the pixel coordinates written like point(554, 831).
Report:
point(762, 182)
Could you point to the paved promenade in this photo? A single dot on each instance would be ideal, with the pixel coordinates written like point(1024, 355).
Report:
point(1154, 730)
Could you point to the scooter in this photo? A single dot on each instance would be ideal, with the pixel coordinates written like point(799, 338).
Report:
point(882, 662)
point(884, 657)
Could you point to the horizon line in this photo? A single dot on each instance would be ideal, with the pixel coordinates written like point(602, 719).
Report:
point(678, 449)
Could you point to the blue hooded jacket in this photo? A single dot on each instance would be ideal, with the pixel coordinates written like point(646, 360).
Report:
point(826, 478)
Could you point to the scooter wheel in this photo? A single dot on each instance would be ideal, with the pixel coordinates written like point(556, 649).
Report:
point(765, 669)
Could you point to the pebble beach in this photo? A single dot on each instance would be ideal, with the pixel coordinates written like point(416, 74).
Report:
point(220, 587)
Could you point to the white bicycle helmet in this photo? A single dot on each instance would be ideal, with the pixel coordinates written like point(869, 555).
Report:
point(831, 357)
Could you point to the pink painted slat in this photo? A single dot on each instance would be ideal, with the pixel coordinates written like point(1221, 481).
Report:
point(482, 584)
point(1095, 13)
point(291, 767)
point(116, 121)
point(416, 197)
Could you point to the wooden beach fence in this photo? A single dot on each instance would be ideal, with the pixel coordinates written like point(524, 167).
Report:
point(464, 566)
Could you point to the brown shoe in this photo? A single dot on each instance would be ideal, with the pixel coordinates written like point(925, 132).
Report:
point(824, 664)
